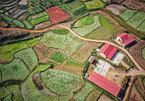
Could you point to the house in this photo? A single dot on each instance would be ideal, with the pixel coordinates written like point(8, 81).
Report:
point(108, 51)
point(124, 39)
point(106, 84)
point(91, 59)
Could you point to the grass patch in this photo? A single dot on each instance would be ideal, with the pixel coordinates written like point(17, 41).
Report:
point(143, 53)
point(137, 19)
point(28, 26)
point(7, 51)
point(58, 57)
point(94, 4)
point(28, 56)
point(94, 96)
point(127, 61)
point(126, 15)
point(60, 31)
point(18, 23)
point(89, 28)
point(6, 18)
point(142, 27)
point(73, 63)
point(87, 20)
point(60, 82)
point(32, 42)
point(14, 70)
point(84, 92)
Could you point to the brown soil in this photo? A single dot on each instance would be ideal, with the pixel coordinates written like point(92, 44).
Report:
point(136, 52)
point(135, 96)
point(84, 51)
point(43, 51)
point(117, 80)
point(104, 98)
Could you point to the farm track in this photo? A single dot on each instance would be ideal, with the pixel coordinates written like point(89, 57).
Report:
point(82, 38)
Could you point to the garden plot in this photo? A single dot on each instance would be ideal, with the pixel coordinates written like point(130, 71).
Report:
point(127, 14)
point(115, 8)
point(102, 68)
point(87, 29)
point(42, 25)
point(58, 57)
point(28, 56)
point(60, 82)
point(14, 70)
point(142, 27)
point(137, 19)
point(84, 92)
point(94, 4)
point(94, 96)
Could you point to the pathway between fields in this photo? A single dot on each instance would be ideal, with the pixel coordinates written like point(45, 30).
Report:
point(80, 37)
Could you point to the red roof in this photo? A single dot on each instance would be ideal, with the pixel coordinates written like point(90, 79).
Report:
point(128, 41)
point(104, 83)
point(123, 36)
point(108, 50)
point(91, 59)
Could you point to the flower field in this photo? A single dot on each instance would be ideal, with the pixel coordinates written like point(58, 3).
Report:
point(28, 56)
point(14, 70)
point(57, 15)
point(87, 29)
point(60, 82)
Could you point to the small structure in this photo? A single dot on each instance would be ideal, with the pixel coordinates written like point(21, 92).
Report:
point(108, 51)
point(124, 39)
point(91, 59)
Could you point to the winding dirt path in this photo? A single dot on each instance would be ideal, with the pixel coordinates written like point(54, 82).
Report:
point(80, 37)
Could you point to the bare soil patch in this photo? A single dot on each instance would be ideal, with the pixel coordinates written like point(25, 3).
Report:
point(117, 80)
point(43, 51)
point(136, 52)
point(84, 51)
point(104, 98)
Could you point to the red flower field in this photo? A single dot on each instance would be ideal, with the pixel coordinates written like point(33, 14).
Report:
point(56, 14)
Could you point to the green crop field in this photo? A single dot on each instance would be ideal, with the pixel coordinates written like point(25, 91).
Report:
point(58, 57)
point(126, 15)
point(18, 23)
point(143, 53)
point(38, 15)
point(137, 19)
point(60, 82)
point(60, 31)
point(28, 26)
point(28, 56)
point(107, 30)
point(94, 4)
point(7, 51)
point(14, 70)
point(32, 42)
point(84, 92)
point(89, 28)
point(87, 20)
point(142, 27)
point(6, 18)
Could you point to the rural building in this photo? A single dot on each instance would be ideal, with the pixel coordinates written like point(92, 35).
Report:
point(108, 51)
point(106, 84)
point(91, 59)
point(124, 39)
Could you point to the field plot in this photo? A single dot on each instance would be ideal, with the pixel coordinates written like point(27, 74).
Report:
point(32, 42)
point(127, 14)
point(104, 98)
point(60, 82)
point(94, 4)
point(28, 56)
point(143, 53)
point(42, 25)
point(137, 19)
point(87, 20)
point(142, 27)
point(84, 92)
point(58, 57)
point(66, 42)
point(87, 29)
point(43, 51)
point(57, 15)
point(94, 96)
point(14, 70)
point(7, 51)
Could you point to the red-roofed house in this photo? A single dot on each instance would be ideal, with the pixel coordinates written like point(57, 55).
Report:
point(108, 51)
point(91, 59)
point(106, 84)
point(124, 39)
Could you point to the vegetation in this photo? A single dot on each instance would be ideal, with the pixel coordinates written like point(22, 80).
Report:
point(89, 28)
point(143, 53)
point(32, 42)
point(14, 70)
point(141, 27)
point(60, 31)
point(28, 26)
point(60, 82)
point(28, 56)
point(18, 23)
point(87, 20)
point(58, 57)
point(84, 92)
point(7, 51)
point(94, 4)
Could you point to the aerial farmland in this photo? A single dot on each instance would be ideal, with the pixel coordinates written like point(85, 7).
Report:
point(72, 50)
